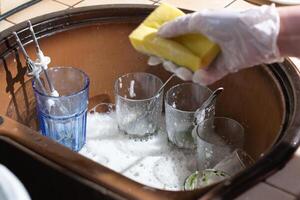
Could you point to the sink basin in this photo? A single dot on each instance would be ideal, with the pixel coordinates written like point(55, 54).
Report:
point(95, 39)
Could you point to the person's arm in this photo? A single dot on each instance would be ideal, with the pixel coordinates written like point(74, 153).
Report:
point(289, 34)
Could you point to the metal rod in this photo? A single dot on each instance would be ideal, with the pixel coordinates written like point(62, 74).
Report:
point(41, 85)
point(210, 100)
point(37, 46)
point(21, 46)
point(30, 65)
point(49, 81)
point(167, 81)
point(39, 52)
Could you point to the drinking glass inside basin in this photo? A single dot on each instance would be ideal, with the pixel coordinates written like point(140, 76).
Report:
point(107, 55)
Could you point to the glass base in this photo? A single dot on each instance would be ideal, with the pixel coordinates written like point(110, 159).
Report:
point(140, 137)
point(68, 131)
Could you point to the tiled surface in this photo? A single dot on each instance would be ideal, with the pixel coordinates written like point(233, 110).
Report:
point(241, 5)
point(101, 2)
point(41, 8)
point(69, 2)
point(199, 4)
point(263, 191)
point(288, 178)
point(5, 24)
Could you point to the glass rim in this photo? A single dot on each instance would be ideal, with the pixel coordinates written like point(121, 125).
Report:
point(138, 100)
point(189, 83)
point(110, 108)
point(62, 117)
point(227, 118)
point(86, 85)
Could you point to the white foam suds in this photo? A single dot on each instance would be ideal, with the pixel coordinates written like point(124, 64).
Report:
point(153, 162)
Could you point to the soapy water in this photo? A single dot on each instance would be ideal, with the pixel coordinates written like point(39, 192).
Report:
point(152, 161)
point(134, 121)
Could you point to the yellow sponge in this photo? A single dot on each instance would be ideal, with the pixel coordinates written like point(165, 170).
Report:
point(191, 50)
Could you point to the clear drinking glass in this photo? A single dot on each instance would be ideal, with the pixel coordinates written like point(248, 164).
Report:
point(138, 106)
point(235, 162)
point(181, 102)
point(216, 139)
point(228, 167)
point(63, 118)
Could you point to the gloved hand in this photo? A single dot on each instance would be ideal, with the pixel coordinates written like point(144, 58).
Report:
point(246, 38)
point(181, 72)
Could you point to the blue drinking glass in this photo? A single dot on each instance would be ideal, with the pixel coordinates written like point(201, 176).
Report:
point(63, 118)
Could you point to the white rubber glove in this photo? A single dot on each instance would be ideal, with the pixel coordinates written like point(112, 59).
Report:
point(181, 72)
point(246, 38)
